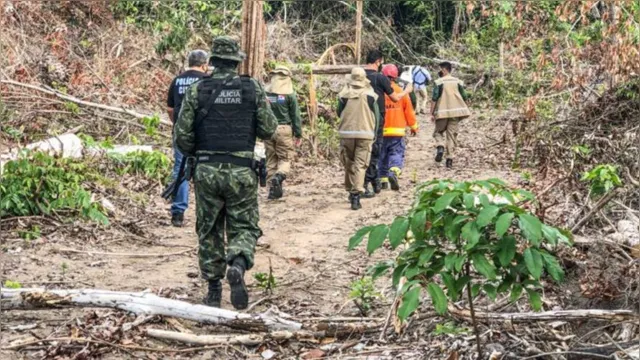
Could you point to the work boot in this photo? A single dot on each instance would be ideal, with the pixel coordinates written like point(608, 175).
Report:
point(393, 179)
point(384, 183)
point(355, 202)
point(214, 296)
point(235, 277)
point(368, 194)
point(177, 220)
point(275, 191)
point(439, 153)
point(449, 163)
point(377, 187)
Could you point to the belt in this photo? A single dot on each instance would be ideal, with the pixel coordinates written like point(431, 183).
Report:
point(228, 159)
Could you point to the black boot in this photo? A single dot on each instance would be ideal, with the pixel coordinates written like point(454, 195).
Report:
point(377, 186)
point(235, 277)
point(439, 153)
point(275, 191)
point(368, 194)
point(177, 220)
point(449, 163)
point(355, 202)
point(214, 296)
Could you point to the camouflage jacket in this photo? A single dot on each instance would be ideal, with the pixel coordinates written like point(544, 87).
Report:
point(184, 133)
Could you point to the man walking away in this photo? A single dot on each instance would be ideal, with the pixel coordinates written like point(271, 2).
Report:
point(381, 86)
point(197, 62)
point(359, 117)
point(284, 104)
point(421, 78)
point(398, 116)
point(448, 109)
point(220, 119)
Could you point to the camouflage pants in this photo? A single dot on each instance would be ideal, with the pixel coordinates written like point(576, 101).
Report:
point(280, 152)
point(226, 202)
point(446, 135)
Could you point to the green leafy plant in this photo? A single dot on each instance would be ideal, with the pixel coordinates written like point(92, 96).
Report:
point(449, 328)
point(152, 164)
point(151, 124)
point(469, 236)
point(72, 107)
point(363, 293)
point(32, 234)
point(265, 281)
point(12, 284)
point(64, 267)
point(602, 179)
point(40, 184)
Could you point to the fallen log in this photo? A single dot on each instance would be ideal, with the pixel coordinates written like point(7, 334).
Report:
point(75, 100)
point(142, 304)
point(232, 339)
point(564, 315)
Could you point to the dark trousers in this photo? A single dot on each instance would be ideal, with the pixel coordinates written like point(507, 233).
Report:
point(372, 174)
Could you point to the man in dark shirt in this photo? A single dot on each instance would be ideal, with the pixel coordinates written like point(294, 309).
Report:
point(381, 85)
point(198, 65)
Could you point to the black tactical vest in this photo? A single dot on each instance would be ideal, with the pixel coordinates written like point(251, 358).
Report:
point(230, 123)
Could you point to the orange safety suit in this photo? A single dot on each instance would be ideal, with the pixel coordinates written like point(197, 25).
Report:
point(398, 115)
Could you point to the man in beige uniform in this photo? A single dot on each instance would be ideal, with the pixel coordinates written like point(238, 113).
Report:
point(448, 109)
point(359, 119)
point(280, 151)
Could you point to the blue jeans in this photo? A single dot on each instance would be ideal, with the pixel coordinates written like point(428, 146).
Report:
point(181, 201)
point(391, 154)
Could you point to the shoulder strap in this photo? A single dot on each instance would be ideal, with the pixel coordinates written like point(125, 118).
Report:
point(214, 95)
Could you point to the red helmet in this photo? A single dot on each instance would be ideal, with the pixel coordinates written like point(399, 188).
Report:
point(390, 70)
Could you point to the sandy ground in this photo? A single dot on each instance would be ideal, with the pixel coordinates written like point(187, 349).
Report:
point(305, 241)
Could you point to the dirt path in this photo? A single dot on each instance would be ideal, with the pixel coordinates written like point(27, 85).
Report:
point(306, 236)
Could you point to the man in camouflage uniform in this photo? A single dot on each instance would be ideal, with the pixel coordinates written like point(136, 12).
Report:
point(220, 119)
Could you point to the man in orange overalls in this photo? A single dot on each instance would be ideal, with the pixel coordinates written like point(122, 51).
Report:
point(398, 116)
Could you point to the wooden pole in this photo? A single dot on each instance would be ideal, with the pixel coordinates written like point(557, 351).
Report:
point(359, 7)
point(253, 38)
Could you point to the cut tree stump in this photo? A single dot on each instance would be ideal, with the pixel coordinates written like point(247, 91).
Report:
point(142, 304)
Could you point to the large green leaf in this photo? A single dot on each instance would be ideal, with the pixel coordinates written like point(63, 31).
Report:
point(553, 267)
point(533, 260)
point(450, 282)
point(469, 201)
point(376, 238)
point(410, 302)
point(451, 229)
point(535, 300)
point(450, 261)
point(491, 291)
point(418, 224)
point(438, 298)
point(550, 233)
point(426, 254)
point(507, 250)
point(516, 291)
point(471, 233)
point(483, 266)
point(398, 273)
point(358, 237)
point(444, 201)
point(503, 224)
point(484, 200)
point(531, 228)
point(398, 231)
point(380, 269)
point(486, 216)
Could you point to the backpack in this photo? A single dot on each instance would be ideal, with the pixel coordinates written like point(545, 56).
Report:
point(418, 70)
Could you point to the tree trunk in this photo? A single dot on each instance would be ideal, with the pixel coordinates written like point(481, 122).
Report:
point(359, 31)
point(143, 304)
point(253, 38)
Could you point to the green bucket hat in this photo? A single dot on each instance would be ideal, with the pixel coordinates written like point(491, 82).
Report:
point(225, 47)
